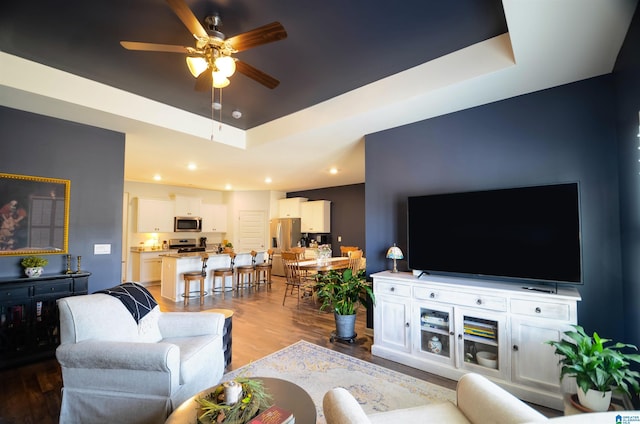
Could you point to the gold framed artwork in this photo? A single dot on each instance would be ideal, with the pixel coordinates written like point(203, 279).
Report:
point(34, 215)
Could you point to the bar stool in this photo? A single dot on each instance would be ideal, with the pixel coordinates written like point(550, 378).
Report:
point(223, 273)
point(194, 276)
point(243, 271)
point(263, 270)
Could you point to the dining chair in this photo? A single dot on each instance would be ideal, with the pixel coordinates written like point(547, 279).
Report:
point(295, 279)
point(344, 250)
point(299, 251)
point(355, 260)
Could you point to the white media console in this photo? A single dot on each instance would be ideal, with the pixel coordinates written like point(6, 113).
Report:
point(440, 324)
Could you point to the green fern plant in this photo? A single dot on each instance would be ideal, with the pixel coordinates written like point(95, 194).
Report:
point(596, 366)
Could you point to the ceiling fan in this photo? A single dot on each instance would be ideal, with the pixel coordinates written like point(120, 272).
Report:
point(211, 61)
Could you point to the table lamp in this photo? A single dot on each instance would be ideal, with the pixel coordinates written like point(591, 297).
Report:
point(394, 253)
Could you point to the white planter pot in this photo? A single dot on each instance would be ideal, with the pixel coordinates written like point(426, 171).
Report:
point(595, 400)
point(32, 272)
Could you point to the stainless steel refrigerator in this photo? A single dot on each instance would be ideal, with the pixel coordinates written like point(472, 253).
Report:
point(285, 234)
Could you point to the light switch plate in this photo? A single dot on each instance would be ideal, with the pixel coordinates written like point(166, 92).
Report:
point(101, 249)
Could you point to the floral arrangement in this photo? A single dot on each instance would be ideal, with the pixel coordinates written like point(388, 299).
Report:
point(324, 253)
point(252, 399)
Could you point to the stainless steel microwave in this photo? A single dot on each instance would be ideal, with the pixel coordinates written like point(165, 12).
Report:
point(187, 224)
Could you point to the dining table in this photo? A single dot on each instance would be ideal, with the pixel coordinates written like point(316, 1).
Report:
point(325, 265)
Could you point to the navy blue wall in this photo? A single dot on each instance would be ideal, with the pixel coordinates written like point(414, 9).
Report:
point(558, 135)
point(347, 213)
point(627, 75)
point(93, 159)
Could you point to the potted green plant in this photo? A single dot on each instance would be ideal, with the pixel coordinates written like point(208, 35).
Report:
point(344, 292)
point(33, 265)
point(597, 368)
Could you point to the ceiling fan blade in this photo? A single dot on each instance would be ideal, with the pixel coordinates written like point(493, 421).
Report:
point(187, 17)
point(204, 81)
point(151, 47)
point(256, 74)
point(259, 36)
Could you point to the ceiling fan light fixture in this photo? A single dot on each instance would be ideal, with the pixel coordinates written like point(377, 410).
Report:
point(197, 65)
point(226, 65)
point(219, 80)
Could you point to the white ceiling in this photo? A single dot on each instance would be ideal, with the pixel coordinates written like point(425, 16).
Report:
point(550, 43)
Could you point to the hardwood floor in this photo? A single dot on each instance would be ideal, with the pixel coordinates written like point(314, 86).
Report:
point(261, 325)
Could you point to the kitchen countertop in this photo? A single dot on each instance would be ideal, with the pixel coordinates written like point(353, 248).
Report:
point(175, 254)
point(137, 250)
point(209, 252)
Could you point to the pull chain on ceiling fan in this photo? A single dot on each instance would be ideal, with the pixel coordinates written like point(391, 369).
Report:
point(211, 61)
point(215, 106)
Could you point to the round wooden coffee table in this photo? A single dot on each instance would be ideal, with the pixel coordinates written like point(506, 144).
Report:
point(285, 394)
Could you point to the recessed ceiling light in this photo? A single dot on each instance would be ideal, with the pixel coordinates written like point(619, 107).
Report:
point(227, 187)
point(268, 180)
point(333, 171)
point(192, 166)
point(157, 177)
point(236, 114)
point(216, 105)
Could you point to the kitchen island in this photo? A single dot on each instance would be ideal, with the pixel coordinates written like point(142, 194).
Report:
point(175, 264)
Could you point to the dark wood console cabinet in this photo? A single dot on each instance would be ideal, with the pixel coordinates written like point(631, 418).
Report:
point(29, 322)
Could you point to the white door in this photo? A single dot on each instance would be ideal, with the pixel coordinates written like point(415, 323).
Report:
point(251, 231)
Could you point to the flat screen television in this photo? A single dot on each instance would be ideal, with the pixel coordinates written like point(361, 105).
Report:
point(527, 234)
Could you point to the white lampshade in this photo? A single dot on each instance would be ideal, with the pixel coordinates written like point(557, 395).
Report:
point(219, 80)
point(226, 65)
point(197, 65)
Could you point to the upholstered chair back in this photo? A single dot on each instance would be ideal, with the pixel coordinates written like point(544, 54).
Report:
point(103, 317)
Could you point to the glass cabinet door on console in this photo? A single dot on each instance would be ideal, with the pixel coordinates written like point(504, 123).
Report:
point(14, 328)
point(45, 323)
point(433, 339)
point(481, 343)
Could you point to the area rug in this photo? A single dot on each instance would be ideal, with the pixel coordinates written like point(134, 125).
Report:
point(317, 370)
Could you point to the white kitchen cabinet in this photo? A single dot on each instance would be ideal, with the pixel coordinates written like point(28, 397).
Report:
point(154, 216)
point(316, 216)
point(290, 208)
point(187, 206)
point(146, 267)
point(214, 218)
point(461, 317)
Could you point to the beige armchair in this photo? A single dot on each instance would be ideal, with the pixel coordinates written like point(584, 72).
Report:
point(115, 370)
point(479, 401)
